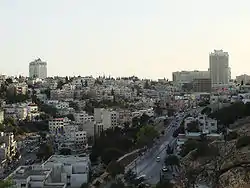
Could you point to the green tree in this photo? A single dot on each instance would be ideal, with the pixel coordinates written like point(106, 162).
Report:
point(60, 83)
point(146, 135)
point(6, 183)
point(115, 168)
point(188, 146)
point(110, 154)
point(65, 151)
point(146, 85)
point(172, 160)
point(44, 152)
point(243, 141)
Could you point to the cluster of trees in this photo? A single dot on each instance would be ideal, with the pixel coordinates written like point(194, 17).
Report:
point(232, 113)
point(114, 143)
point(44, 152)
point(199, 148)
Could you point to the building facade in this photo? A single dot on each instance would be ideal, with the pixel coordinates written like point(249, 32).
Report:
point(220, 72)
point(243, 78)
point(202, 85)
point(38, 69)
point(184, 77)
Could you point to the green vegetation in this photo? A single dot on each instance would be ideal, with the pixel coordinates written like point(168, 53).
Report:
point(172, 160)
point(230, 114)
point(44, 152)
point(164, 185)
point(200, 148)
point(243, 141)
point(193, 126)
point(115, 168)
point(206, 110)
point(6, 183)
point(179, 130)
point(114, 143)
point(145, 135)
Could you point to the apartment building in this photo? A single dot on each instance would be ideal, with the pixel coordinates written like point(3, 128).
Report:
point(220, 72)
point(202, 85)
point(243, 78)
point(34, 177)
point(56, 125)
point(1, 116)
point(38, 69)
point(10, 144)
point(16, 111)
point(183, 77)
point(58, 94)
point(206, 124)
point(82, 117)
point(71, 170)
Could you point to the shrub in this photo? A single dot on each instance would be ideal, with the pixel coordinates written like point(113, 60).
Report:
point(243, 141)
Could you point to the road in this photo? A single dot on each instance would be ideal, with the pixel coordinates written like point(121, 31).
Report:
point(147, 164)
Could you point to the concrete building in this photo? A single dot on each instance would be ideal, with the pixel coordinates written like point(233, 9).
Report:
point(220, 72)
point(34, 177)
point(106, 118)
point(184, 77)
point(202, 85)
point(71, 170)
point(243, 78)
point(1, 116)
point(38, 69)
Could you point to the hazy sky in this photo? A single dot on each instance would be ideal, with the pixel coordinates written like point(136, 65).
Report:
point(147, 38)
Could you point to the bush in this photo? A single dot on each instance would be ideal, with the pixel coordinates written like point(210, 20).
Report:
point(243, 141)
point(231, 136)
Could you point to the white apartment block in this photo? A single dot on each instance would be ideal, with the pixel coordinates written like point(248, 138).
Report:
point(18, 112)
point(207, 125)
point(38, 69)
point(34, 177)
point(10, 144)
point(71, 170)
point(82, 117)
point(61, 94)
point(57, 125)
point(1, 116)
point(220, 72)
point(183, 77)
point(107, 117)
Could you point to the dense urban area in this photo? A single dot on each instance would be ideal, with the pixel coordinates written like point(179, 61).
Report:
point(106, 132)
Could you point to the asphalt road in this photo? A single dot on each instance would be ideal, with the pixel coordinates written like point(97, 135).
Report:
point(147, 164)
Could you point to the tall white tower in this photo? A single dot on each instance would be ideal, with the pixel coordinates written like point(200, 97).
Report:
point(219, 67)
point(38, 69)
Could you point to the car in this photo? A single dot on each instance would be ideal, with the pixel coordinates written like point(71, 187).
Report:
point(164, 169)
point(158, 159)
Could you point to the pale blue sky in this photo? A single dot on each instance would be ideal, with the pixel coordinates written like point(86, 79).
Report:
point(147, 38)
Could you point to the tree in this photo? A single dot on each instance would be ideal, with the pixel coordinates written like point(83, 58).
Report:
point(44, 152)
point(243, 141)
point(115, 168)
point(146, 85)
point(6, 183)
point(65, 151)
point(172, 160)
point(179, 130)
point(111, 154)
point(60, 83)
point(86, 83)
point(146, 135)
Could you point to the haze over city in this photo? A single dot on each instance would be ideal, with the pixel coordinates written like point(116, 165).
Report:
point(120, 38)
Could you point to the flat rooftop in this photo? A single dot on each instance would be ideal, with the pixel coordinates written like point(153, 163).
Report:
point(70, 159)
point(24, 172)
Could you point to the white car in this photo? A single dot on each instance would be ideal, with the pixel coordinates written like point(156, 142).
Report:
point(158, 159)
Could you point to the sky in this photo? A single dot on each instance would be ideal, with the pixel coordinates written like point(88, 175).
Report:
point(146, 38)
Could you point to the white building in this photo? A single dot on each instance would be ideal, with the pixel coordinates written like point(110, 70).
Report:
point(220, 72)
point(71, 170)
point(82, 117)
point(243, 78)
point(183, 77)
point(106, 118)
point(38, 69)
point(34, 177)
point(1, 116)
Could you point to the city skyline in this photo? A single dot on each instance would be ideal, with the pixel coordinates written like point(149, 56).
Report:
point(149, 39)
